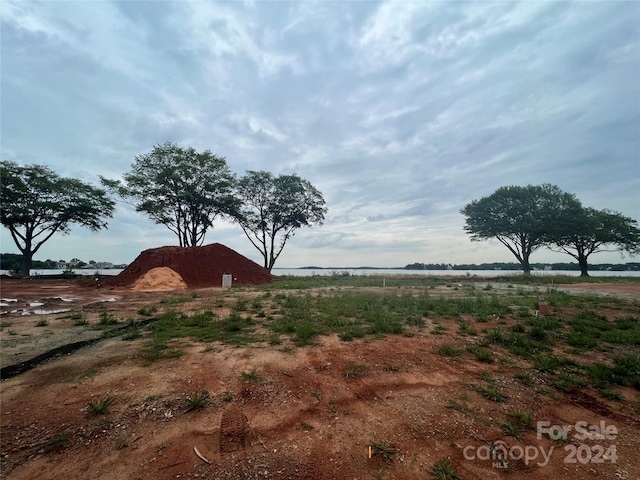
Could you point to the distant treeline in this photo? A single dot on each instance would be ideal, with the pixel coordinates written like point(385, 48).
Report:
point(13, 261)
point(630, 266)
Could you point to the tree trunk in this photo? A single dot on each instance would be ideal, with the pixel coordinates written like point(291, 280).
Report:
point(27, 263)
point(526, 267)
point(582, 261)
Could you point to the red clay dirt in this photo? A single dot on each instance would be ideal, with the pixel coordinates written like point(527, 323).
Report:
point(295, 413)
point(199, 267)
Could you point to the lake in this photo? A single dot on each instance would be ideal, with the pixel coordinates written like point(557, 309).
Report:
point(304, 272)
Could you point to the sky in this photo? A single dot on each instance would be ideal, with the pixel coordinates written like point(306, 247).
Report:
point(400, 113)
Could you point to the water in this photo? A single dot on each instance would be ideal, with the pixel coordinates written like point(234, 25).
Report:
point(304, 272)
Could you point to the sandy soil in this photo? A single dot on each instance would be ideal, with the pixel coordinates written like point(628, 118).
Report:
point(297, 415)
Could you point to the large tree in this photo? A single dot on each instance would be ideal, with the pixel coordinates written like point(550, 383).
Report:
point(36, 203)
point(273, 208)
point(179, 188)
point(521, 218)
point(590, 231)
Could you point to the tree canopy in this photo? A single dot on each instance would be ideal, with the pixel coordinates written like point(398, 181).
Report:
point(589, 231)
point(179, 188)
point(273, 208)
point(521, 218)
point(37, 203)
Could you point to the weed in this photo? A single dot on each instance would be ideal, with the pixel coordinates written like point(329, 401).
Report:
point(151, 356)
point(443, 470)
point(100, 407)
point(390, 368)
point(333, 407)
point(465, 329)
point(610, 394)
point(355, 371)
point(228, 397)
point(106, 318)
point(383, 449)
point(448, 351)
point(42, 323)
point(306, 426)
point(174, 353)
point(58, 442)
point(147, 311)
point(241, 305)
point(538, 334)
point(132, 333)
point(318, 395)
point(481, 354)
point(548, 363)
point(438, 328)
point(176, 300)
point(511, 429)
point(121, 442)
point(4, 325)
point(196, 401)
point(566, 382)
point(517, 422)
point(601, 375)
point(518, 328)
point(490, 392)
point(251, 376)
point(458, 406)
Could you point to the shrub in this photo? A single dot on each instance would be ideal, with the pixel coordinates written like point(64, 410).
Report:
point(99, 408)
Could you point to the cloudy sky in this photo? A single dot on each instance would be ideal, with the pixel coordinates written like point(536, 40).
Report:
point(400, 113)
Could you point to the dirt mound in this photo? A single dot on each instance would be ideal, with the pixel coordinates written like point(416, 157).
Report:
point(159, 279)
point(199, 267)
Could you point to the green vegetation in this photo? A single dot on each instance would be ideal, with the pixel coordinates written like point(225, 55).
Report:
point(37, 203)
point(443, 470)
point(100, 407)
point(251, 376)
point(196, 401)
point(355, 371)
point(383, 449)
point(546, 350)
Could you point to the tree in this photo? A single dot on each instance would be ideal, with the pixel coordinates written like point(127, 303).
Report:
point(591, 231)
point(180, 188)
point(274, 208)
point(37, 203)
point(521, 218)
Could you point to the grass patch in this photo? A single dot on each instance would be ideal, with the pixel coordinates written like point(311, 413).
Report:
point(251, 376)
point(443, 470)
point(100, 407)
point(490, 392)
point(58, 442)
point(481, 354)
point(384, 450)
point(196, 401)
point(355, 371)
point(516, 423)
point(448, 351)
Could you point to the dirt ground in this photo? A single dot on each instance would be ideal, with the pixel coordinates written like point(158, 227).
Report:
point(293, 414)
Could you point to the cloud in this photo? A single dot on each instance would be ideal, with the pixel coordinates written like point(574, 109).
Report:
point(399, 112)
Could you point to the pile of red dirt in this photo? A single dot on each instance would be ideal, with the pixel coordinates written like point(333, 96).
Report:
point(199, 267)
